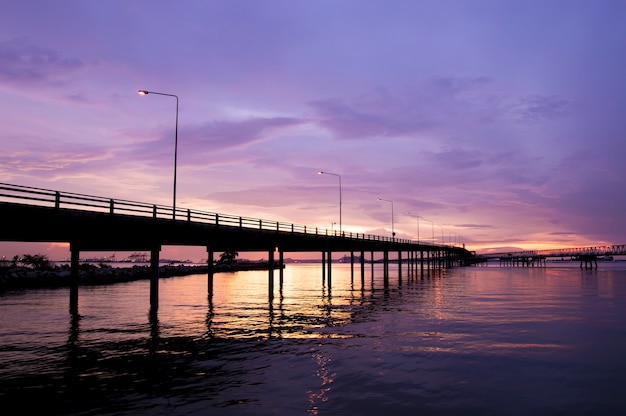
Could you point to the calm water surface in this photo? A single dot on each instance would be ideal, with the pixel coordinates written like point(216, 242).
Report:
point(467, 341)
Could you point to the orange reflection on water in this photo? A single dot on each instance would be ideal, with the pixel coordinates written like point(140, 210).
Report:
point(327, 378)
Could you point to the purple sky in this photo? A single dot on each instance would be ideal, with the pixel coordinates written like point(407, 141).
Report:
point(502, 123)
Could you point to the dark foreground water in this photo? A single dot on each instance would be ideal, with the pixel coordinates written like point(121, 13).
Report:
point(471, 341)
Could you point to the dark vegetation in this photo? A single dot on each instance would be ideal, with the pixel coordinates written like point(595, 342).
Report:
point(37, 271)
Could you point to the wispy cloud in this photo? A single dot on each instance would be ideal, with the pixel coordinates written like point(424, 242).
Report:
point(28, 65)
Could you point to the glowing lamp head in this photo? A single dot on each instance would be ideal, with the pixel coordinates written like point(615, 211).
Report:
point(143, 92)
point(319, 172)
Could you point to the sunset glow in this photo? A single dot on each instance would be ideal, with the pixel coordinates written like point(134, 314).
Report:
point(500, 125)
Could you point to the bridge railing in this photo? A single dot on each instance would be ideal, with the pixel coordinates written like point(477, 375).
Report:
point(67, 200)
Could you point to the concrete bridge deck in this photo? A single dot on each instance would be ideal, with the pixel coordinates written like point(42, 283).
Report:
point(91, 223)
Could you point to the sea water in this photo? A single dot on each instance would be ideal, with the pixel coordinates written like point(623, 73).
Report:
point(462, 341)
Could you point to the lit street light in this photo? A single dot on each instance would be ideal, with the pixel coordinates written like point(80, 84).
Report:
point(417, 219)
point(144, 92)
point(432, 227)
point(319, 172)
point(393, 233)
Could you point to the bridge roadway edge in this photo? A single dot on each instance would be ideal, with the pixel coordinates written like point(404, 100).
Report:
point(102, 231)
point(97, 231)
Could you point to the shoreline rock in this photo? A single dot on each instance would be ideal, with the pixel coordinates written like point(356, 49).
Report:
point(13, 278)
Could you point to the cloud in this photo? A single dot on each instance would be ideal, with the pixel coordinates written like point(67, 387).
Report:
point(33, 66)
point(534, 108)
point(228, 133)
point(372, 116)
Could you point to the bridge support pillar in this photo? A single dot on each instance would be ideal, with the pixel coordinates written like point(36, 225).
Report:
point(362, 269)
point(154, 278)
point(386, 268)
point(281, 265)
point(74, 273)
point(399, 267)
point(330, 263)
point(352, 267)
point(209, 264)
point(270, 262)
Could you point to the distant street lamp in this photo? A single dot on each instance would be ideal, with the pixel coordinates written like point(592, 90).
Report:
point(319, 172)
point(144, 92)
point(417, 219)
point(432, 227)
point(393, 233)
point(443, 239)
point(456, 237)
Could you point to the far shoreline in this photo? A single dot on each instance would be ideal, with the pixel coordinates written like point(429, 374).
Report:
point(16, 277)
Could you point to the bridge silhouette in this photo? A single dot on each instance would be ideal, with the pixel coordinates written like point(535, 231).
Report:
point(588, 256)
point(93, 223)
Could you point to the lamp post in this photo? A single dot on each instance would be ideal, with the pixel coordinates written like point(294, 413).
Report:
point(393, 233)
point(144, 92)
point(432, 225)
point(417, 220)
point(320, 172)
point(453, 243)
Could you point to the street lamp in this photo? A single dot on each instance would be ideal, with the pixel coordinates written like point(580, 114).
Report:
point(393, 233)
point(432, 225)
point(319, 172)
point(417, 219)
point(144, 92)
point(455, 238)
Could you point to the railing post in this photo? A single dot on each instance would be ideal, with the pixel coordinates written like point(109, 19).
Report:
point(154, 211)
point(240, 222)
point(111, 203)
point(57, 199)
point(260, 224)
point(188, 215)
point(217, 219)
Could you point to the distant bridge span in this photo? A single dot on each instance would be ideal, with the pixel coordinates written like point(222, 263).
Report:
point(586, 255)
point(612, 250)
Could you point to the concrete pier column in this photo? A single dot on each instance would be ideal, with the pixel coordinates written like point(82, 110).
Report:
point(362, 269)
point(323, 268)
point(386, 268)
point(281, 265)
point(74, 273)
point(270, 277)
point(154, 278)
point(352, 266)
point(400, 266)
point(330, 263)
point(209, 264)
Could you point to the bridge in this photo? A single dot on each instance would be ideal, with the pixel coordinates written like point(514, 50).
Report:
point(93, 223)
point(588, 256)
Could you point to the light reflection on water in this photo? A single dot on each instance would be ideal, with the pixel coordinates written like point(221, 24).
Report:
point(461, 341)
